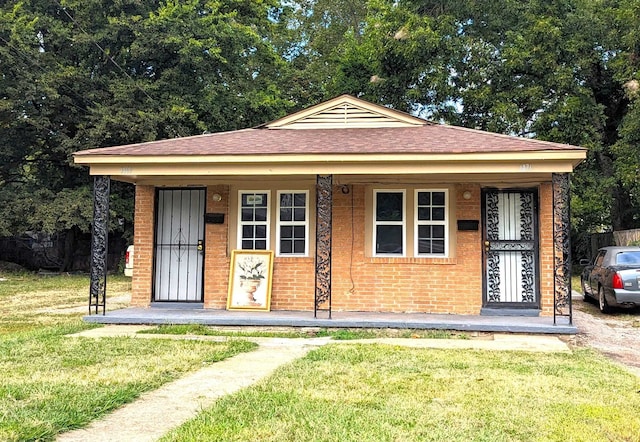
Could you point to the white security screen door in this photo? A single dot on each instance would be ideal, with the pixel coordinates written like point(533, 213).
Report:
point(179, 254)
point(510, 249)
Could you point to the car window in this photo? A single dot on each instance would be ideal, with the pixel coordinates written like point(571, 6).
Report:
point(600, 258)
point(628, 258)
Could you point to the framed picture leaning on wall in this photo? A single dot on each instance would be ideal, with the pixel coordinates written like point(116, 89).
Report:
point(250, 280)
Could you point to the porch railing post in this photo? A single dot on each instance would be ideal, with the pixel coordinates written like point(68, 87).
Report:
point(324, 195)
point(99, 244)
point(562, 246)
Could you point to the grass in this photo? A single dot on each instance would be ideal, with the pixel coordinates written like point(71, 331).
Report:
point(337, 334)
point(29, 301)
point(51, 383)
point(383, 393)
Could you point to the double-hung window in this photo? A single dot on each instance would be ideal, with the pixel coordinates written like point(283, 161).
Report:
point(389, 223)
point(431, 223)
point(293, 223)
point(254, 220)
point(411, 223)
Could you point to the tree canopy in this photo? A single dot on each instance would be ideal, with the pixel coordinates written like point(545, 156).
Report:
point(79, 74)
point(557, 70)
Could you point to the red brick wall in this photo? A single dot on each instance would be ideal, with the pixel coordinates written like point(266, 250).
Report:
point(445, 285)
point(359, 282)
point(144, 217)
point(546, 248)
point(216, 260)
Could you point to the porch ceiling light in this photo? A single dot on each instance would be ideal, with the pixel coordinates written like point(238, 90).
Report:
point(216, 197)
point(466, 195)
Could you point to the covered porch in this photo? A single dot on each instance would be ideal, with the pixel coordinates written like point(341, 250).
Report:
point(412, 222)
point(189, 313)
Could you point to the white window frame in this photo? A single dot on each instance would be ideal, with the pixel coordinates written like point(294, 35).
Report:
point(417, 223)
point(254, 223)
point(377, 223)
point(293, 223)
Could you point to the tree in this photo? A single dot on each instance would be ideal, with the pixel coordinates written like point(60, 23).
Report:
point(554, 70)
point(80, 74)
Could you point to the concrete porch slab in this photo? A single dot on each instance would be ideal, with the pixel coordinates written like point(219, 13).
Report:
point(180, 314)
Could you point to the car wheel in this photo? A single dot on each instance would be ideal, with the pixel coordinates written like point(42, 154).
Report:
point(602, 301)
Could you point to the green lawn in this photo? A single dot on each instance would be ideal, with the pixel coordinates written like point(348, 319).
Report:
point(382, 393)
point(50, 382)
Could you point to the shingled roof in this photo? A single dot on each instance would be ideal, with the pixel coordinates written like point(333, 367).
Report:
point(344, 125)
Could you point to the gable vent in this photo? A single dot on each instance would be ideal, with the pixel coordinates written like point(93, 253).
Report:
point(346, 115)
point(343, 112)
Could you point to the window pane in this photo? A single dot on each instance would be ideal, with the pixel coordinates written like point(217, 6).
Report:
point(424, 198)
point(261, 231)
point(438, 232)
point(298, 232)
point(285, 214)
point(300, 200)
point(260, 200)
point(285, 246)
point(424, 232)
point(285, 199)
point(424, 213)
point(261, 245)
point(437, 246)
point(261, 214)
point(438, 198)
point(299, 214)
point(298, 246)
point(247, 244)
point(389, 239)
point(254, 200)
point(247, 231)
point(388, 206)
point(247, 214)
point(437, 214)
point(424, 246)
point(286, 232)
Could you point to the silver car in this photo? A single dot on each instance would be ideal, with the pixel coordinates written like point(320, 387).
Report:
point(613, 278)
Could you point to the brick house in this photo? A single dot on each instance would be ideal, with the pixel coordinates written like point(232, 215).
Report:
point(365, 209)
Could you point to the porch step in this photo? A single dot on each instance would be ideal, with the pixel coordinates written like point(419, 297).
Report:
point(531, 312)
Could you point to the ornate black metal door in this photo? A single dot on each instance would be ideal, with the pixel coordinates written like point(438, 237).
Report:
point(179, 257)
point(510, 249)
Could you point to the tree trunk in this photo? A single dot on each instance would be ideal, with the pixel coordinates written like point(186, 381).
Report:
point(69, 250)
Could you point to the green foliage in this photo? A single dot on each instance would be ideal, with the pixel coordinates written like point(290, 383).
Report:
point(564, 71)
point(83, 74)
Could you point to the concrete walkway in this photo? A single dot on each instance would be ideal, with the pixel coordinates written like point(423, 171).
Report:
point(157, 412)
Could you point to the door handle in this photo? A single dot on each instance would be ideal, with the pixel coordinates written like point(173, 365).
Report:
point(486, 246)
point(200, 245)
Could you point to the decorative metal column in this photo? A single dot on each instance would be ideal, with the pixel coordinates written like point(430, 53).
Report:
point(561, 247)
point(99, 244)
point(324, 195)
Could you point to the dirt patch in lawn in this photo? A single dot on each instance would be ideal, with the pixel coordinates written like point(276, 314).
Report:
point(114, 302)
point(616, 335)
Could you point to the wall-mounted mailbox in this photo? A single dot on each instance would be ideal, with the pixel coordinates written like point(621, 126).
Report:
point(468, 224)
point(214, 218)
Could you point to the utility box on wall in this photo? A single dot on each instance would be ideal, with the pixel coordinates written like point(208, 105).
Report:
point(468, 224)
point(214, 218)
